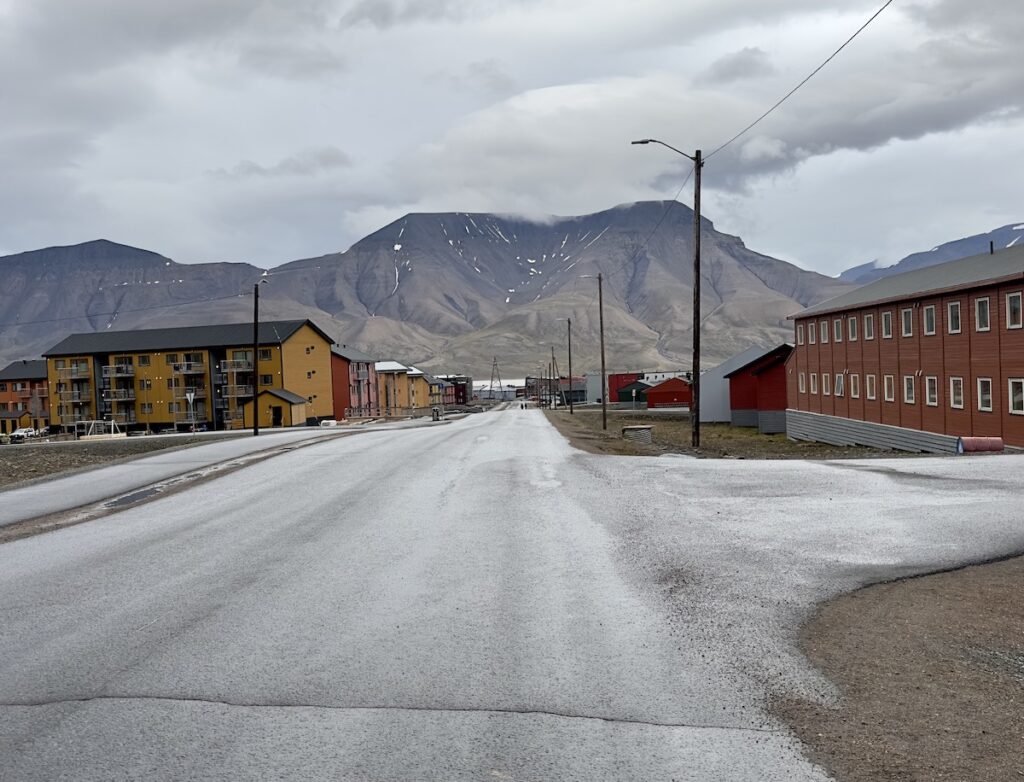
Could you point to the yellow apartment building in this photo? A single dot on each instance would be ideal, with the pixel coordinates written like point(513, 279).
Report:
point(192, 376)
point(394, 388)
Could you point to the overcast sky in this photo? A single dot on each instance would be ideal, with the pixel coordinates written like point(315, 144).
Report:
point(241, 130)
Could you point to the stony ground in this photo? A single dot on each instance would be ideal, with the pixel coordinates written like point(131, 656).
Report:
point(26, 461)
point(672, 434)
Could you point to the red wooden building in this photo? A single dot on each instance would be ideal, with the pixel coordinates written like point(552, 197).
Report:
point(353, 383)
point(757, 391)
point(915, 360)
point(619, 380)
point(674, 392)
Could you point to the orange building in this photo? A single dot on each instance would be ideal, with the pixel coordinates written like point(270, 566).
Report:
point(24, 396)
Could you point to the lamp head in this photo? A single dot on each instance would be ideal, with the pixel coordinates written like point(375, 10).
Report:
point(642, 141)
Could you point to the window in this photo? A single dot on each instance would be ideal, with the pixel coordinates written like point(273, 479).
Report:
point(851, 329)
point(985, 394)
point(855, 386)
point(908, 389)
point(837, 328)
point(869, 327)
point(869, 386)
point(309, 376)
point(928, 319)
point(981, 320)
point(907, 318)
point(172, 407)
point(886, 325)
point(889, 388)
point(802, 378)
point(956, 392)
point(146, 408)
point(840, 379)
point(800, 334)
point(826, 385)
point(174, 382)
point(266, 380)
point(265, 354)
point(814, 383)
point(824, 332)
point(3, 386)
point(953, 319)
point(171, 358)
point(1016, 396)
point(58, 363)
point(143, 361)
point(1013, 311)
point(811, 333)
point(145, 384)
point(931, 391)
point(193, 358)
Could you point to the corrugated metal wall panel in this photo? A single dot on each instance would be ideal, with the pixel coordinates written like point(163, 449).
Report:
point(744, 418)
point(844, 431)
point(771, 422)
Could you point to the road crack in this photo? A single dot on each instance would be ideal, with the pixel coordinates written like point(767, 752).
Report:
point(384, 708)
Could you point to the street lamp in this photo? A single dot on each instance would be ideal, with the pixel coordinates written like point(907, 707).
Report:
point(600, 320)
point(255, 356)
point(698, 164)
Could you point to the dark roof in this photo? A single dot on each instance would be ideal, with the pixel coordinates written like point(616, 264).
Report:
point(287, 396)
point(183, 337)
point(766, 361)
point(24, 370)
point(639, 385)
point(351, 354)
point(965, 273)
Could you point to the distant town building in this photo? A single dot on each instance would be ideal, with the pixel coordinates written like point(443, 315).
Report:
point(757, 391)
point(24, 396)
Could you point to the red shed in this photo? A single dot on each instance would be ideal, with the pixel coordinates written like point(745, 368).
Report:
point(757, 392)
point(674, 392)
point(618, 381)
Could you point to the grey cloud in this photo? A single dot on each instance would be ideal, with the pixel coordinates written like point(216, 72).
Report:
point(488, 77)
point(384, 14)
point(291, 61)
point(747, 63)
point(304, 164)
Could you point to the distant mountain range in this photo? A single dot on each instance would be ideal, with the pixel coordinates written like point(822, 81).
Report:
point(1000, 238)
point(446, 291)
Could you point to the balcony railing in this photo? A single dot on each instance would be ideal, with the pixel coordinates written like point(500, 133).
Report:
point(119, 370)
point(236, 365)
point(189, 368)
point(84, 395)
point(180, 392)
point(236, 391)
point(26, 393)
point(183, 417)
point(119, 394)
point(70, 373)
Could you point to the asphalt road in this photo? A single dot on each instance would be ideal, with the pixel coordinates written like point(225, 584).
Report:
point(475, 601)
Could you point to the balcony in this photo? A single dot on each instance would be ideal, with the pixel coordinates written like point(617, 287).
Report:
point(119, 394)
point(123, 418)
point(236, 365)
point(185, 418)
point(189, 368)
point(71, 373)
point(237, 391)
point(119, 370)
point(199, 392)
point(84, 395)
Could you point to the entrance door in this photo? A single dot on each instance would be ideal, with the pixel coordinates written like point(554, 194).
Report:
point(276, 416)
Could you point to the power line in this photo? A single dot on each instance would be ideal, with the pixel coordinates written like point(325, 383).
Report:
point(120, 312)
point(801, 84)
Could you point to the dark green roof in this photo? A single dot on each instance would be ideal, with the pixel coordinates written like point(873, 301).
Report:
point(24, 370)
point(287, 396)
point(180, 338)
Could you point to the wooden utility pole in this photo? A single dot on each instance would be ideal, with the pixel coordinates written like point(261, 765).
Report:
point(255, 359)
point(698, 164)
point(604, 385)
point(570, 367)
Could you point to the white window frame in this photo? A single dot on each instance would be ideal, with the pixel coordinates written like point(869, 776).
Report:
point(889, 387)
point(854, 386)
point(851, 328)
point(823, 332)
point(840, 384)
point(1020, 310)
point(1015, 381)
point(870, 391)
point(909, 390)
point(931, 391)
point(869, 326)
point(925, 312)
point(802, 383)
point(949, 318)
point(799, 333)
point(887, 324)
point(981, 397)
point(956, 384)
point(814, 383)
point(812, 332)
point(826, 384)
point(977, 314)
point(837, 330)
point(907, 322)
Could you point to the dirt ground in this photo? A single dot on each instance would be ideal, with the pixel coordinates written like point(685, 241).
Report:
point(930, 670)
point(26, 461)
point(931, 675)
point(672, 434)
